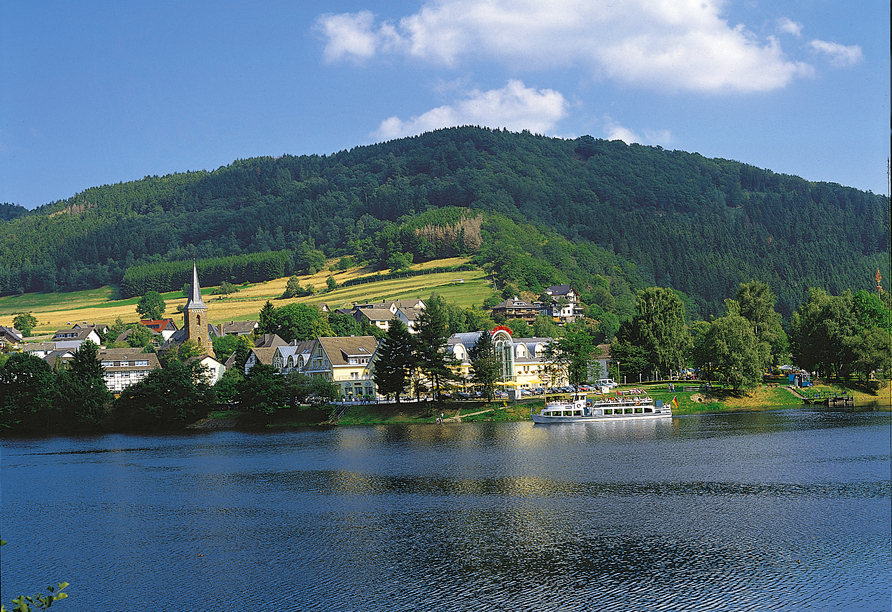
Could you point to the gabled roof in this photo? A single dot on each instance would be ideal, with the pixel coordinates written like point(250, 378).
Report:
point(239, 327)
point(295, 348)
point(39, 347)
point(376, 314)
point(74, 334)
point(341, 350)
point(269, 341)
point(417, 304)
point(410, 314)
point(61, 355)
point(160, 325)
point(264, 355)
point(129, 355)
point(12, 333)
point(204, 358)
point(99, 327)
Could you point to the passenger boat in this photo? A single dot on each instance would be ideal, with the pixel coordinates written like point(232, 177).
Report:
point(581, 410)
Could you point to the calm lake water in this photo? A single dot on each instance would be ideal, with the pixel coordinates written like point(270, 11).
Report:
point(780, 510)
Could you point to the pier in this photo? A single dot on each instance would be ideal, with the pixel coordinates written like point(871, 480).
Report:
point(828, 398)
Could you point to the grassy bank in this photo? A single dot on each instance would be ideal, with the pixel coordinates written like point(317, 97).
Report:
point(689, 402)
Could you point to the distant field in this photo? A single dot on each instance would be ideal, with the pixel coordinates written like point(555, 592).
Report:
point(60, 310)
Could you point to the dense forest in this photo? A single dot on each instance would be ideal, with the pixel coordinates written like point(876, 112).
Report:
point(605, 216)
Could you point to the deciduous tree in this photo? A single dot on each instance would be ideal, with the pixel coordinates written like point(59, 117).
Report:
point(25, 322)
point(27, 391)
point(151, 306)
point(736, 355)
point(658, 328)
point(167, 397)
point(570, 356)
point(83, 394)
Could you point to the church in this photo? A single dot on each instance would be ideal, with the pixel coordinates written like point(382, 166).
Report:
point(196, 325)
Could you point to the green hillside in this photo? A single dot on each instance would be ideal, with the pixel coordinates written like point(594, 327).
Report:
point(531, 211)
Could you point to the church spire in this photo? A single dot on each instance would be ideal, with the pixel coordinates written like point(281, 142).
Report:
point(195, 321)
point(195, 291)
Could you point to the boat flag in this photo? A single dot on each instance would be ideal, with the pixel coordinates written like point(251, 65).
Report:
point(675, 402)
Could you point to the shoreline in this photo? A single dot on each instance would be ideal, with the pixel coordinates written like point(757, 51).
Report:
point(690, 404)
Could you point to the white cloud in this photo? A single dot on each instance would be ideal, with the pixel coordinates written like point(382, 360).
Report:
point(663, 44)
point(788, 26)
point(615, 131)
point(840, 55)
point(353, 36)
point(514, 106)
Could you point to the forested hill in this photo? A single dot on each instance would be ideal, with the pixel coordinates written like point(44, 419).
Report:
point(608, 217)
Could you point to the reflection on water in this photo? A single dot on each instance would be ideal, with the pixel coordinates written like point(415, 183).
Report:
point(778, 510)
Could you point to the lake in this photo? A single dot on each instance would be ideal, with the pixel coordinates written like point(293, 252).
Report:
point(778, 510)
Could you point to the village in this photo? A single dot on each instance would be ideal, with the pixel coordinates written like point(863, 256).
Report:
point(347, 362)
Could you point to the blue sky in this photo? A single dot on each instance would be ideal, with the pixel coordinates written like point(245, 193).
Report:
point(93, 93)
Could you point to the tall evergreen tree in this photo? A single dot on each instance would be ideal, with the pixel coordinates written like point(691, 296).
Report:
point(432, 357)
point(394, 361)
point(269, 319)
point(485, 366)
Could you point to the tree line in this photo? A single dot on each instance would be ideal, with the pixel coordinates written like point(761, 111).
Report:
point(843, 336)
point(235, 269)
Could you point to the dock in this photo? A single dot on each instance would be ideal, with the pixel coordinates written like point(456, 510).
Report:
point(828, 398)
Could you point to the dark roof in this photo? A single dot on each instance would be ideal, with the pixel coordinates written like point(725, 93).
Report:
point(269, 341)
point(239, 327)
point(559, 289)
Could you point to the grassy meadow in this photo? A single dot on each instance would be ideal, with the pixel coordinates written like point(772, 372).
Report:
point(56, 311)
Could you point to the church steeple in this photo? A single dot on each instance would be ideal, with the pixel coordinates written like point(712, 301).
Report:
point(195, 320)
point(194, 300)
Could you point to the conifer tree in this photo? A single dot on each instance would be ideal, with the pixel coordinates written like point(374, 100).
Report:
point(394, 362)
point(485, 366)
point(432, 357)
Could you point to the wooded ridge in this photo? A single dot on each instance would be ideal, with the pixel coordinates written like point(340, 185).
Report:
point(607, 217)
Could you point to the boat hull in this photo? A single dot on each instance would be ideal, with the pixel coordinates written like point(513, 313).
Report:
point(580, 410)
point(601, 418)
